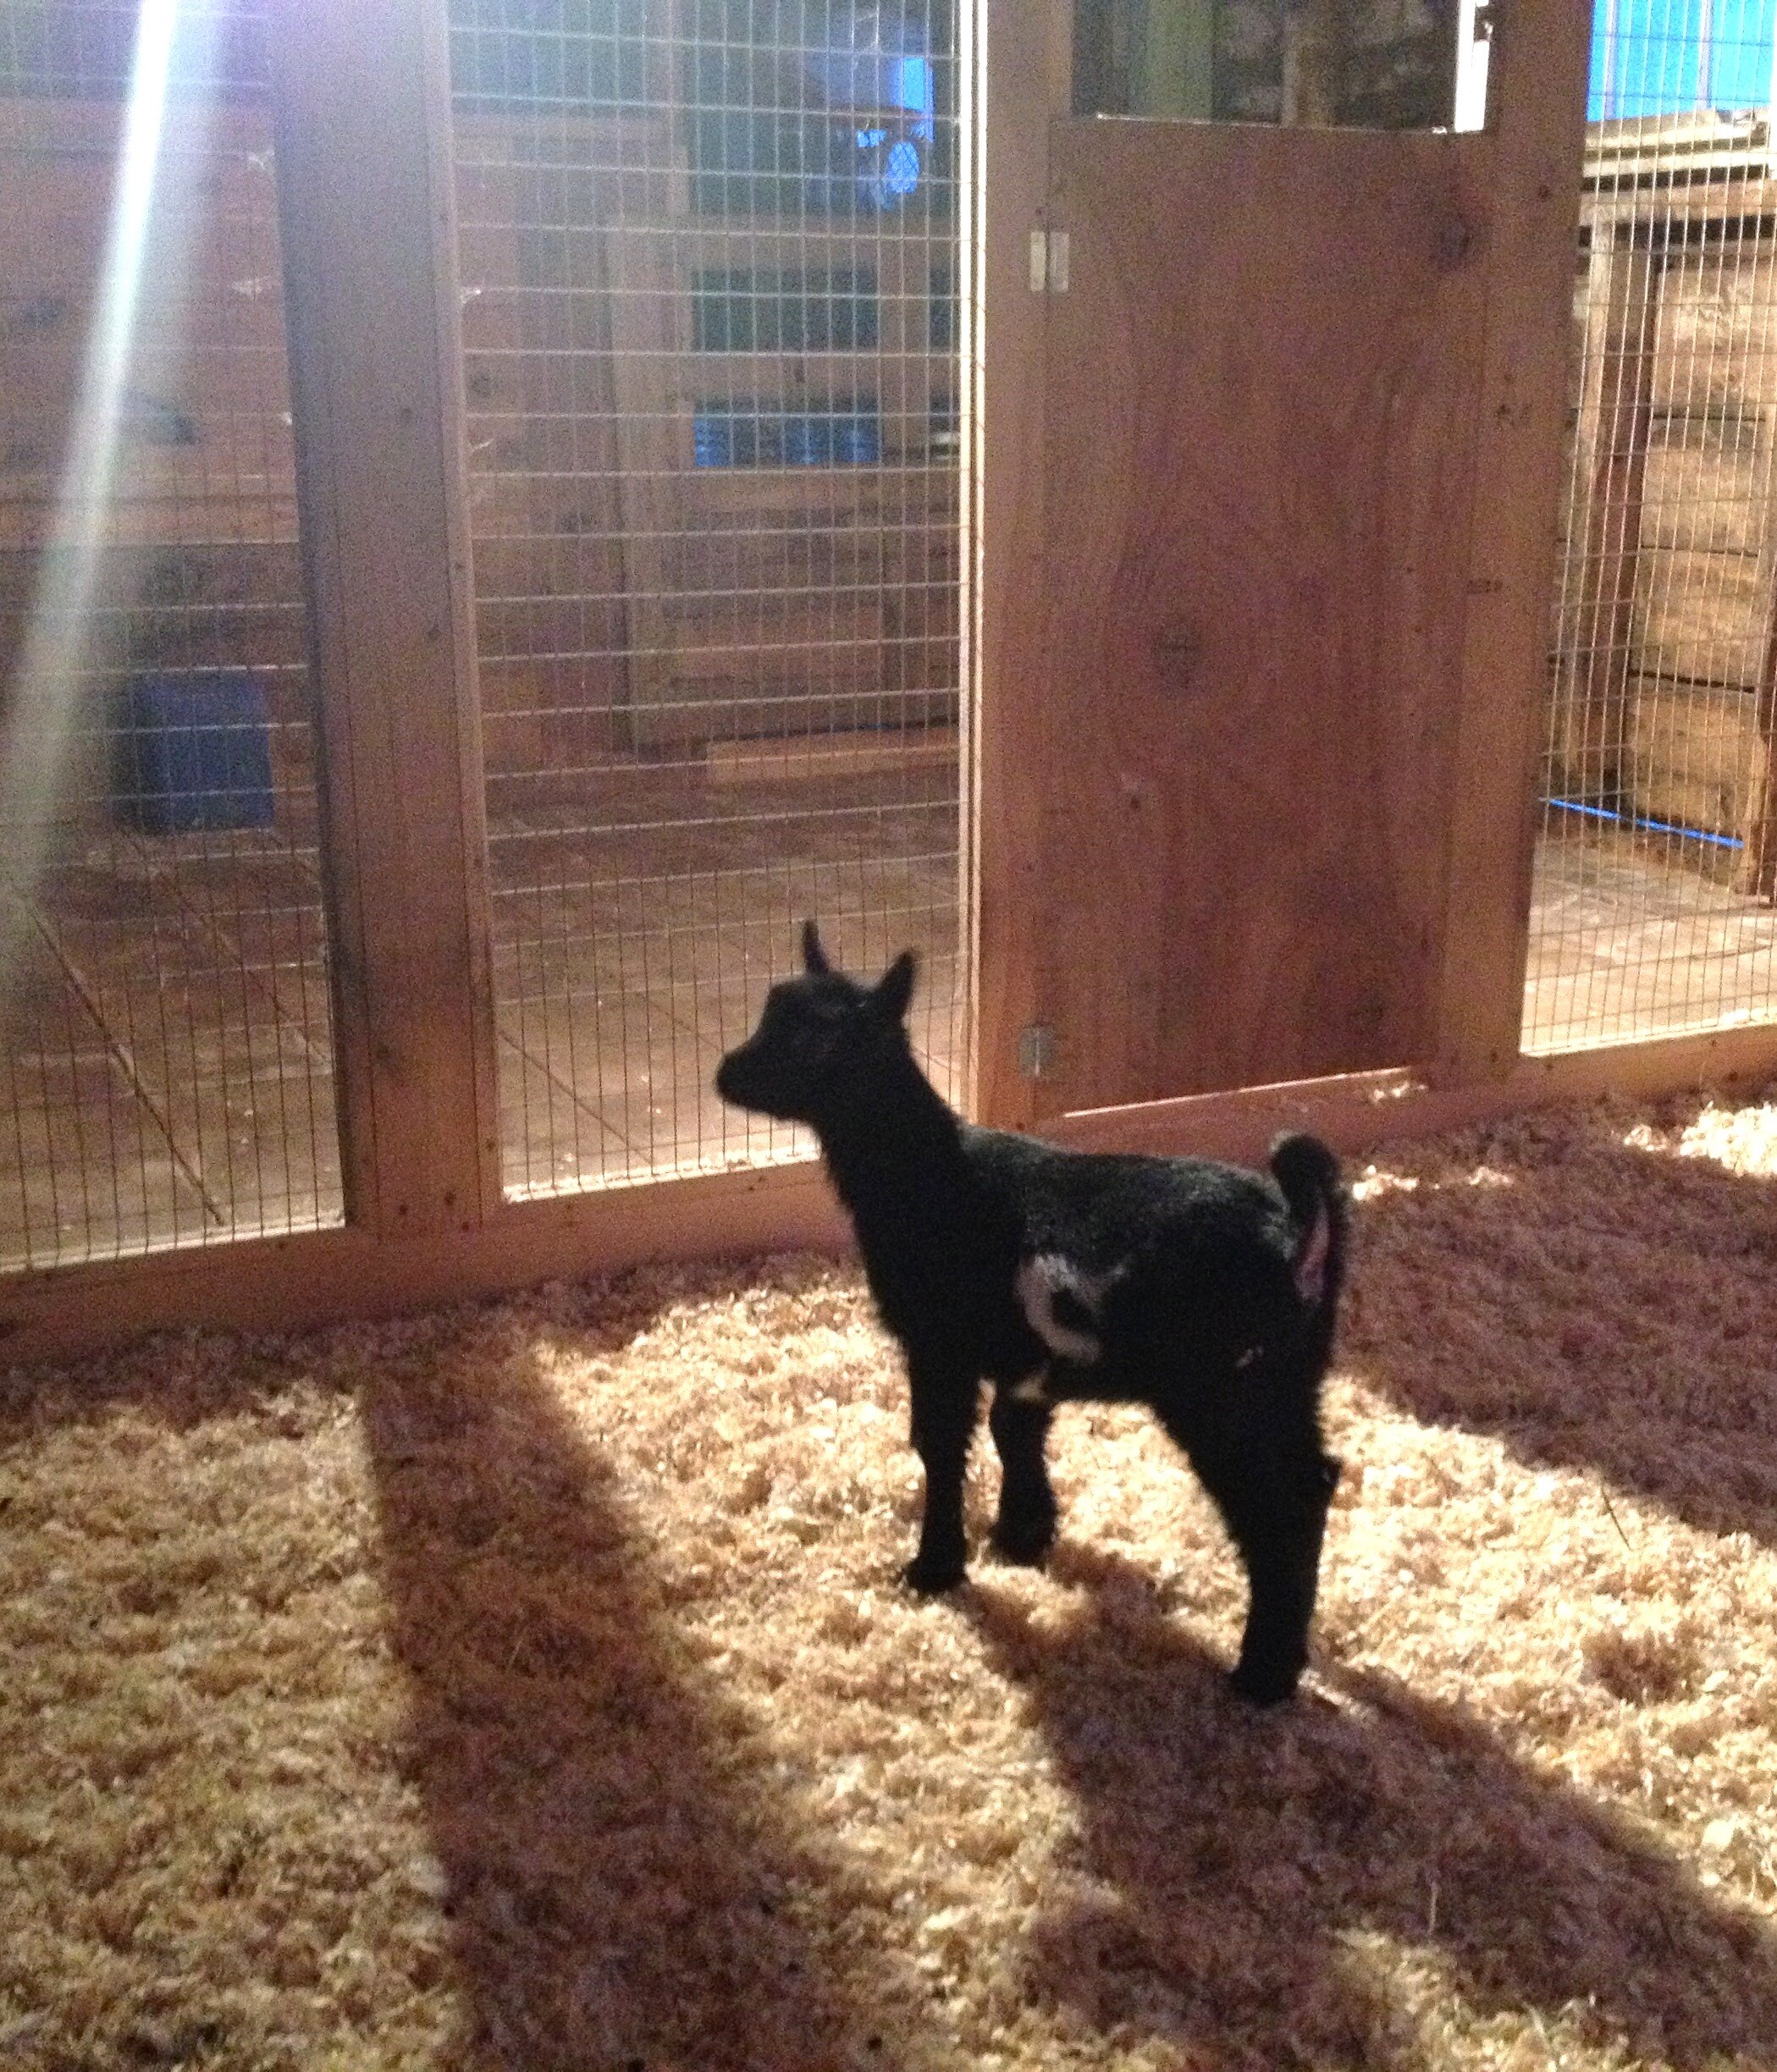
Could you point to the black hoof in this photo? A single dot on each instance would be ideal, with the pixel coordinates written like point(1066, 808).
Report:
point(1265, 1683)
point(1025, 1542)
point(930, 1573)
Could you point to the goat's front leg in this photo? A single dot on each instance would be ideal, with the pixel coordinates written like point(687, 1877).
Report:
point(946, 1401)
point(1024, 1530)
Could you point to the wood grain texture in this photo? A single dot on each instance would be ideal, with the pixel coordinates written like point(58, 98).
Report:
point(1017, 907)
point(1538, 88)
point(1272, 354)
point(1699, 617)
point(281, 1284)
point(365, 189)
point(1693, 752)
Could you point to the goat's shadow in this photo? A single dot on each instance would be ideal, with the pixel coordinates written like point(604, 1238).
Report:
point(1591, 1304)
point(622, 1871)
point(1231, 1862)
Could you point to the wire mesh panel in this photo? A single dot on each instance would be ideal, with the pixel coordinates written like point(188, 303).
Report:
point(1657, 853)
point(710, 255)
point(165, 1052)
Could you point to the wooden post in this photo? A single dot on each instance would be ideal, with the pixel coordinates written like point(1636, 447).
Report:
point(1539, 79)
point(1024, 81)
point(1756, 875)
point(366, 193)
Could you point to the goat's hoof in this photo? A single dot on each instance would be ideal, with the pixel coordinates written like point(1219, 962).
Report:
point(930, 1573)
point(1265, 1683)
point(1023, 1542)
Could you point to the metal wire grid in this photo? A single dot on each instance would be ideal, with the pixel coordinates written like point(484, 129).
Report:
point(1652, 906)
point(166, 1073)
point(709, 260)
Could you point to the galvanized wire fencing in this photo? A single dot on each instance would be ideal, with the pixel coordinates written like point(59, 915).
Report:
point(1654, 875)
point(709, 257)
point(166, 1055)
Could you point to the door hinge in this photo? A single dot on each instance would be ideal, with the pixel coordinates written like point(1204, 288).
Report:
point(1048, 262)
point(1039, 1051)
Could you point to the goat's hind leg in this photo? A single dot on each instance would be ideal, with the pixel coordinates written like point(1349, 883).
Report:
point(1273, 1496)
point(1024, 1530)
point(945, 1402)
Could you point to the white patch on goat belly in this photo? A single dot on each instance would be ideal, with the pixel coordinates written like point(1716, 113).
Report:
point(1033, 1388)
point(1249, 1356)
point(1040, 1280)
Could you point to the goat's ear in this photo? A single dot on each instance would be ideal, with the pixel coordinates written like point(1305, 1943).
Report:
point(814, 957)
point(895, 989)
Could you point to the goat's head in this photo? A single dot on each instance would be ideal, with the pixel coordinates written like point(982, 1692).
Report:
point(817, 1033)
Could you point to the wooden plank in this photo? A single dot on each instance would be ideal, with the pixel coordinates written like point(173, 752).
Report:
point(1257, 592)
point(742, 762)
point(1694, 752)
point(283, 1284)
point(1598, 637)
point(1537, 83)
point(1705, 485)
point(1713, 354)
point(1023, 81)
point(649, 327)
point(1757, 874)
point(366, 186)
point(204, 450)
point(1702, 617)
point(1362, 1112)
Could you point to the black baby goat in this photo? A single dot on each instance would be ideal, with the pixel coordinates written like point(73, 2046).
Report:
point(1206, 1292)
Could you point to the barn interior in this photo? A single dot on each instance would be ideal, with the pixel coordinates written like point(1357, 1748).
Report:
point(1241, 531)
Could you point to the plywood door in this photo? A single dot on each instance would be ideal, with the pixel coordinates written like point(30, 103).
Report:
point(1263, 381)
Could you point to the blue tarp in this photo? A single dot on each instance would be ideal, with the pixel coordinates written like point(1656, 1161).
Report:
point(1679, 57)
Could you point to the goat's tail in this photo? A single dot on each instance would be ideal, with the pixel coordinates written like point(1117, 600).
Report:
point(1308, 1173)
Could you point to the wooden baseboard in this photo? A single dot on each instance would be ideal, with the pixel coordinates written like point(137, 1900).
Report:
point(1363, 1111)
point(320, 1276)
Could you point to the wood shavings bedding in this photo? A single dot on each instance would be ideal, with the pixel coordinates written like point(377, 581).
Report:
point(528, 1685)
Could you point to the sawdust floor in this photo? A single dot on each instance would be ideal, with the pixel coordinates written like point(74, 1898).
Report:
point(529, 1687)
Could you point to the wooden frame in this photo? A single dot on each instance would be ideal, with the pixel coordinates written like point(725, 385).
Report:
point(1537, 83)
point(284, 1283)
point(377, 383)
point(365, 192)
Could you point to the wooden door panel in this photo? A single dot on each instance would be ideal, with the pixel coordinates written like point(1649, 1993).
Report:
point(1258, 498)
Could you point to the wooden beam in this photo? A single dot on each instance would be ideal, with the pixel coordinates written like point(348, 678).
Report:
point(1756, 874)
point(366, 191)
point(1025, 81)
point(1361, 1111)
point(321, 1276)
point(287, 1283)
point(1538, 78)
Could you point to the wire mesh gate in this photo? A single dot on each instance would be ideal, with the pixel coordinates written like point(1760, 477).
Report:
point(1656, 860)
point(709, 263)
point(166, 1056)
point(709, 256)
